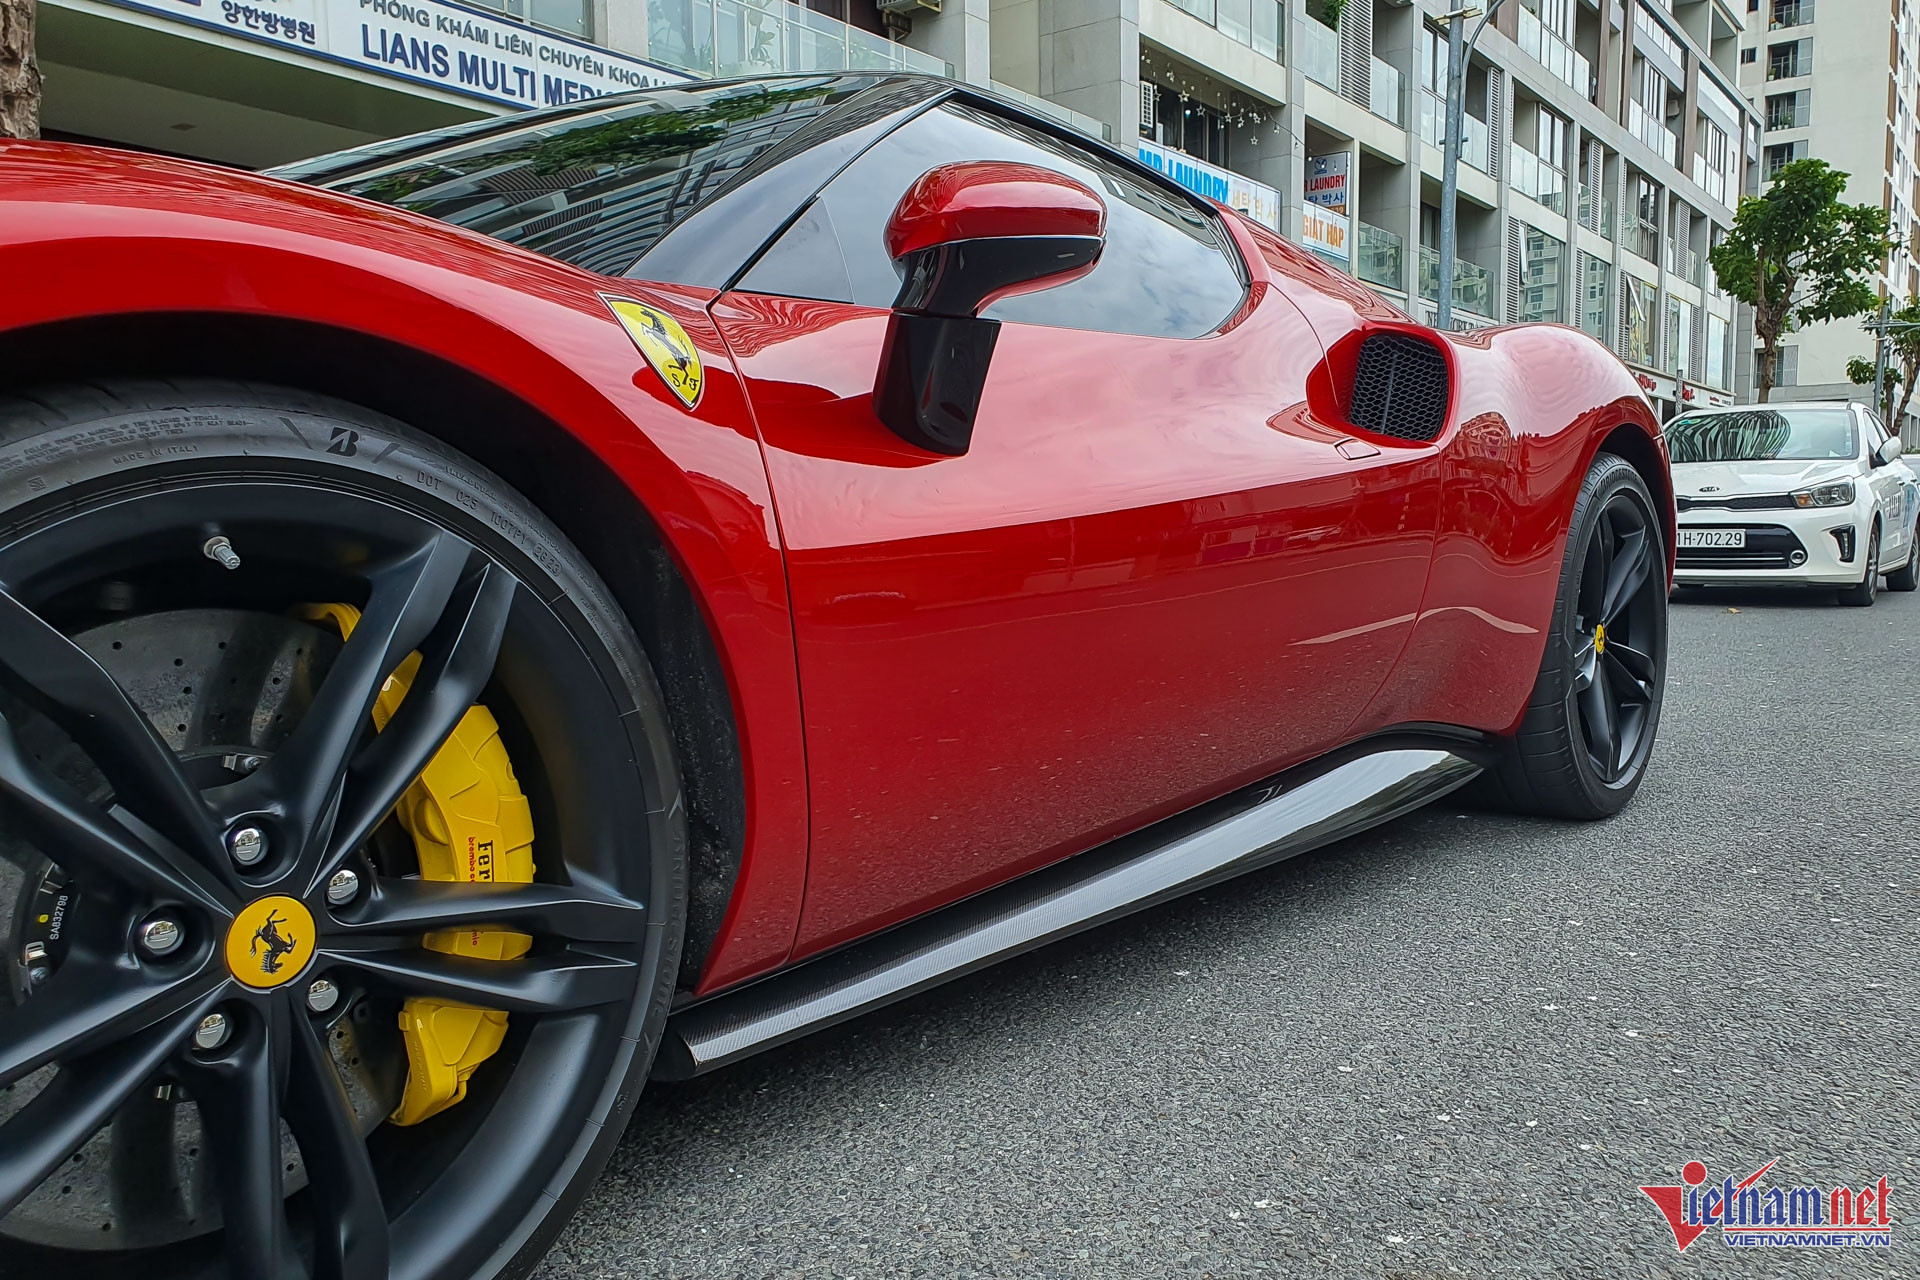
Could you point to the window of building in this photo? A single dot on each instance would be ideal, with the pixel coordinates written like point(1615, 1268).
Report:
point(1789, 110)
point(1749, 55)
point(1786, 368)
point(1715, 372)
point(1541, 277)
point(1187, 124)
point(1794, 58)
point(1679, 338)
point(1780, 155)
point(1168, 269)
point(1596, 274)
point(571, 16)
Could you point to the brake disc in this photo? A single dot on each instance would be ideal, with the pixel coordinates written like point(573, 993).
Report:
point(224, 689)
point(469, 822)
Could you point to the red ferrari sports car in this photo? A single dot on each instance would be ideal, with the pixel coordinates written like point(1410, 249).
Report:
point(493, 616)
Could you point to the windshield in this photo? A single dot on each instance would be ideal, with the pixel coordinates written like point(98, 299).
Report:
point(594, 188)
point(1764, 435)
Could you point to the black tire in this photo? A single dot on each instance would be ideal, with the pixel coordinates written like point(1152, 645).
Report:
point(1907, 576)
point(1552, 766)
point(95, 484)
point(1863, 596)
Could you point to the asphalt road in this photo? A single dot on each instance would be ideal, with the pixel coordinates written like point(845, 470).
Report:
point(1452, 1046)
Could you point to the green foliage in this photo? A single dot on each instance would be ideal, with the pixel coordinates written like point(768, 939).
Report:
point(1797, 255)
point(1326, 12)
point(1860, 371)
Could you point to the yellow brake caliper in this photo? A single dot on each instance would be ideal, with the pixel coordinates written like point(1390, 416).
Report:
point(469, 822)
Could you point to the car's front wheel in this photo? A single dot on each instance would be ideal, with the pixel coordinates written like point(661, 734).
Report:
point(342, 869)
point(1587, 734)
point(1863, 596)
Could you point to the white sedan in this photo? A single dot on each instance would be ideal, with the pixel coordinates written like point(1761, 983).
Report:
point(1810, 492)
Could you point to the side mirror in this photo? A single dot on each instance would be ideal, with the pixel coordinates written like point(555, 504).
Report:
point(1889, 449)
point(965, 236)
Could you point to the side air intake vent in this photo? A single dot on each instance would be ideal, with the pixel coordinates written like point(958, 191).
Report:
point(1399, 388)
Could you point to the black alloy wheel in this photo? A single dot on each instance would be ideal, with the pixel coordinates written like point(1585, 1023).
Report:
point(1588, 731)
point(1618, 637)
point(198, 1020)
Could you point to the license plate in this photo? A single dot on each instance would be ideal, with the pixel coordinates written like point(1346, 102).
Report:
point(1713, 537)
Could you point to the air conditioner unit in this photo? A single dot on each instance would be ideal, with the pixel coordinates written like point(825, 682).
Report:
point(906, 6)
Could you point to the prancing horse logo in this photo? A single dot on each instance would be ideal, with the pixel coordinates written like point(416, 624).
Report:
point(278, 947)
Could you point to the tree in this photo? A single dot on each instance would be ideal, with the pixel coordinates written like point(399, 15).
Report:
point(1860, 374)
point(1903, 357)
point(1798, 256)
point(19, 72)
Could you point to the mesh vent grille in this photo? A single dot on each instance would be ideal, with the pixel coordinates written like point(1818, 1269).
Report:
point(1400, 388)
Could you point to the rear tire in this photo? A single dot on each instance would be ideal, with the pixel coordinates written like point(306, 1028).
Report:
point(1907, 576)
point(1587, 734)
point(1862, 596)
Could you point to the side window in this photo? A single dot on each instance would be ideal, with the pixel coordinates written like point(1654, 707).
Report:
point(1876, 434)
point(1167, 270)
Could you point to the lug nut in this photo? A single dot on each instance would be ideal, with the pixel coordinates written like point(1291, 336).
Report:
point(247, 845)
point(322, 995)
point(160, 937)
point(221, 552)
point(212, 1031)
point(343, 887)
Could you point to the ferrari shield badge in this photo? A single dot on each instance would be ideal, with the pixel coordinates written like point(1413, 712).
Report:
point(665, 345)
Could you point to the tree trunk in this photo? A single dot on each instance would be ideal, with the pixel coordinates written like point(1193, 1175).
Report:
point(19, 72)
point(1767, 353)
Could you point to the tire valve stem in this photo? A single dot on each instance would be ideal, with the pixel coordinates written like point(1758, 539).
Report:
point(221, 552)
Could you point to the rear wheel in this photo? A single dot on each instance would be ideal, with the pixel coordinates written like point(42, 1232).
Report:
point(1863, 595)
point(1584, 742)
point(1907, 576)
point(248, 936)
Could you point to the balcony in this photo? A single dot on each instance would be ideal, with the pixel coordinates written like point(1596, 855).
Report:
point(1254, 23)
point(1320, 52)
point(1379, 259)
point(1534, 178)
point(1383, 91)
point(1793, 116)
point(1651, 131)
point(1474, 138)
point(1642, 237)
point(1584, 215)
point(1791, 15)
point(1551, 50)
point(1684, 262)
point(1789, 68)
point(1472, 283)
point(742, 38)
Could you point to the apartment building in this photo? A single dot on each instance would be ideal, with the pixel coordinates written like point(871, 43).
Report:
point(1604, 142)
point(1847, 92)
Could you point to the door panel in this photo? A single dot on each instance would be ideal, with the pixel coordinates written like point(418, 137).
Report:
point(1151, 579)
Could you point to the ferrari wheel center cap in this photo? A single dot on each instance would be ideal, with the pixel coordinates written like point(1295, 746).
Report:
point(1600, 638)
point(270, 942)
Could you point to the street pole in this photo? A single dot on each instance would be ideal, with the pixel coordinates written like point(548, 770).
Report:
point(1880, 358)
point(1458, 51)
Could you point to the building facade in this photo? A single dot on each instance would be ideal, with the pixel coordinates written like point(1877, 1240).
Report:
point(1848, 93)
point(1604, 145)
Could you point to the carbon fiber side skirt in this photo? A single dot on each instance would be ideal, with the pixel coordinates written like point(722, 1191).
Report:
point(1298, 811)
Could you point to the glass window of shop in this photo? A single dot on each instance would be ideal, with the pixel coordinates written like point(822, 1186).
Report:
point(1639, 322)
point(1715, 372)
